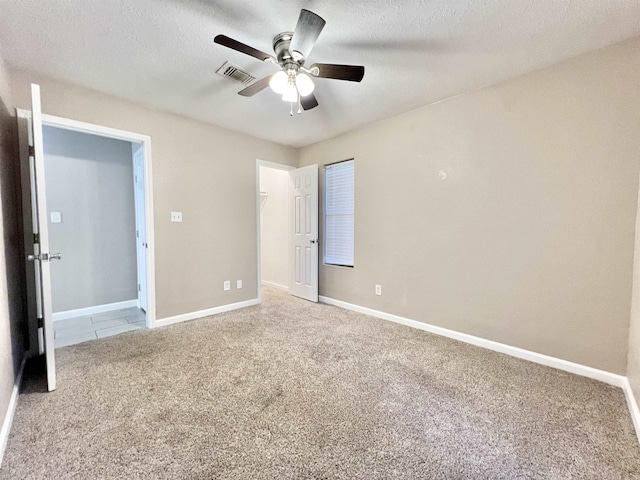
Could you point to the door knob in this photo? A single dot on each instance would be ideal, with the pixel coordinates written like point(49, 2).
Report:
point(312, 241)
point(57, 256)
point(33, 258)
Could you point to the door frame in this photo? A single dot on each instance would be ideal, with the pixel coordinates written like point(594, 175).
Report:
point(275, 166)
point(137, 203)
point(145, 140)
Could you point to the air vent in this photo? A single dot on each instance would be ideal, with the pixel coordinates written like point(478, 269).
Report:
point(234, 73)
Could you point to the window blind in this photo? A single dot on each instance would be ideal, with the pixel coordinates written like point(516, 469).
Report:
point(339, 213)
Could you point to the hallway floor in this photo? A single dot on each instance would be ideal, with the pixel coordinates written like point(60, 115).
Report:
point(91, 327)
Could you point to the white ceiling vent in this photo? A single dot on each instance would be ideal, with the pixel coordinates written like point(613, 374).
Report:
point(234, 73)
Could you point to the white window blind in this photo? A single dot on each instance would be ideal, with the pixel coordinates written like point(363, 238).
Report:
point(339, 212)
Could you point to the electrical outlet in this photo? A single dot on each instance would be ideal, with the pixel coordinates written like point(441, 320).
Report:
point(239, 284)
point(227, 285)
point(378, 289)
point(176, 216)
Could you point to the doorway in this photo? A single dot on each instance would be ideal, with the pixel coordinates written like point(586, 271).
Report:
point(90, 192)
point(273, 225)
point(105, 227)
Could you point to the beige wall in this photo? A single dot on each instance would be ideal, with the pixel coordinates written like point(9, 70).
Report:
point(274, 225)
point(204, 171)
point(506, 213)
point(12, 326)
point(89, 181)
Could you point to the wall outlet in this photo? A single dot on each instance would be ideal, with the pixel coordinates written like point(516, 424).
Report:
point(227, 285)
point(239, 284)
point(56, 217)
point(378, 289)
point(176, 216)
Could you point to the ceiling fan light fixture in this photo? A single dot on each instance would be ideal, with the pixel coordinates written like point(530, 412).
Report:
point(305, 84)
point(279, 82)
point(290, 93)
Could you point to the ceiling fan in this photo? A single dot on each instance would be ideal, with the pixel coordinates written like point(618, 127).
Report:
point(294, 80)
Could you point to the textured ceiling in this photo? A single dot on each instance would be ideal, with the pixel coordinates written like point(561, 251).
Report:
point(161, 52)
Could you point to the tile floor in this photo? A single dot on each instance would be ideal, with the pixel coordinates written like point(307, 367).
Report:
point(91, 327)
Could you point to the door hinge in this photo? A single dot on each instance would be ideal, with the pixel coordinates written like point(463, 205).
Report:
point(32, 151)
point(139, 289)
point(137, 234)
point(40, 322)
point(36, 238)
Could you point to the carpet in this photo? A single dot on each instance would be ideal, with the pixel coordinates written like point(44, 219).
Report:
point(292, 389)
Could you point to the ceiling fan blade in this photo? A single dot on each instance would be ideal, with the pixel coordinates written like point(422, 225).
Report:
point(351, 73)
point(309, 102)
point(255, 87)
point(306, 33)
point(241, 47)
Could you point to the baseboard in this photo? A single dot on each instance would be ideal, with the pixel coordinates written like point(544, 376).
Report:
point(81, 312)
point(11, 410)
point(275, 285)
point(205, 313)
point(578, 369)
point(633, 406)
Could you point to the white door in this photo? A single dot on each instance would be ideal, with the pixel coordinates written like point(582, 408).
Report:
point(141, 230)
point(303, 195)
point(41, 255)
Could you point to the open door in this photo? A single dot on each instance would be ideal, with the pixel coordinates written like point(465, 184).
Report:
point(303, 195)
point(41, 256)
point(141, 229)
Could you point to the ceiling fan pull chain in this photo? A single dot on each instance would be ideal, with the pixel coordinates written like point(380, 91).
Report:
point(299, 104)
point(291, 111)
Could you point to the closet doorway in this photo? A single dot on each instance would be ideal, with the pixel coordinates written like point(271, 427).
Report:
point(273, 227)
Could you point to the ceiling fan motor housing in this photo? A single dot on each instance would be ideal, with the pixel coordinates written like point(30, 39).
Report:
point(281, 43)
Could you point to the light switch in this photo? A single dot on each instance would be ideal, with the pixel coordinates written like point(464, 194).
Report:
point(56, 217)
point(176, 216)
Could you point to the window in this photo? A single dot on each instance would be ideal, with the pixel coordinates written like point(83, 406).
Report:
point(338, 213)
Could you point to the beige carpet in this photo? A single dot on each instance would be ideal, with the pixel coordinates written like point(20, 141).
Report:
point(290, 389)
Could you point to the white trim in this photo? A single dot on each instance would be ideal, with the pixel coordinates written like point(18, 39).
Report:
point(84, 127)
point(163, 322)
point(578, 369)
point(277, 166)
point(108, 132)
point(11, 410)
point(81, 312)
point(275, 285)
point(633, 406)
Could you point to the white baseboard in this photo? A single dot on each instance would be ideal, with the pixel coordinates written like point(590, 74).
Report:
point(578, 369)
point(205, 313)
point(81, 312)
point(633, 406)
point(11, 410)
point(275, 285)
